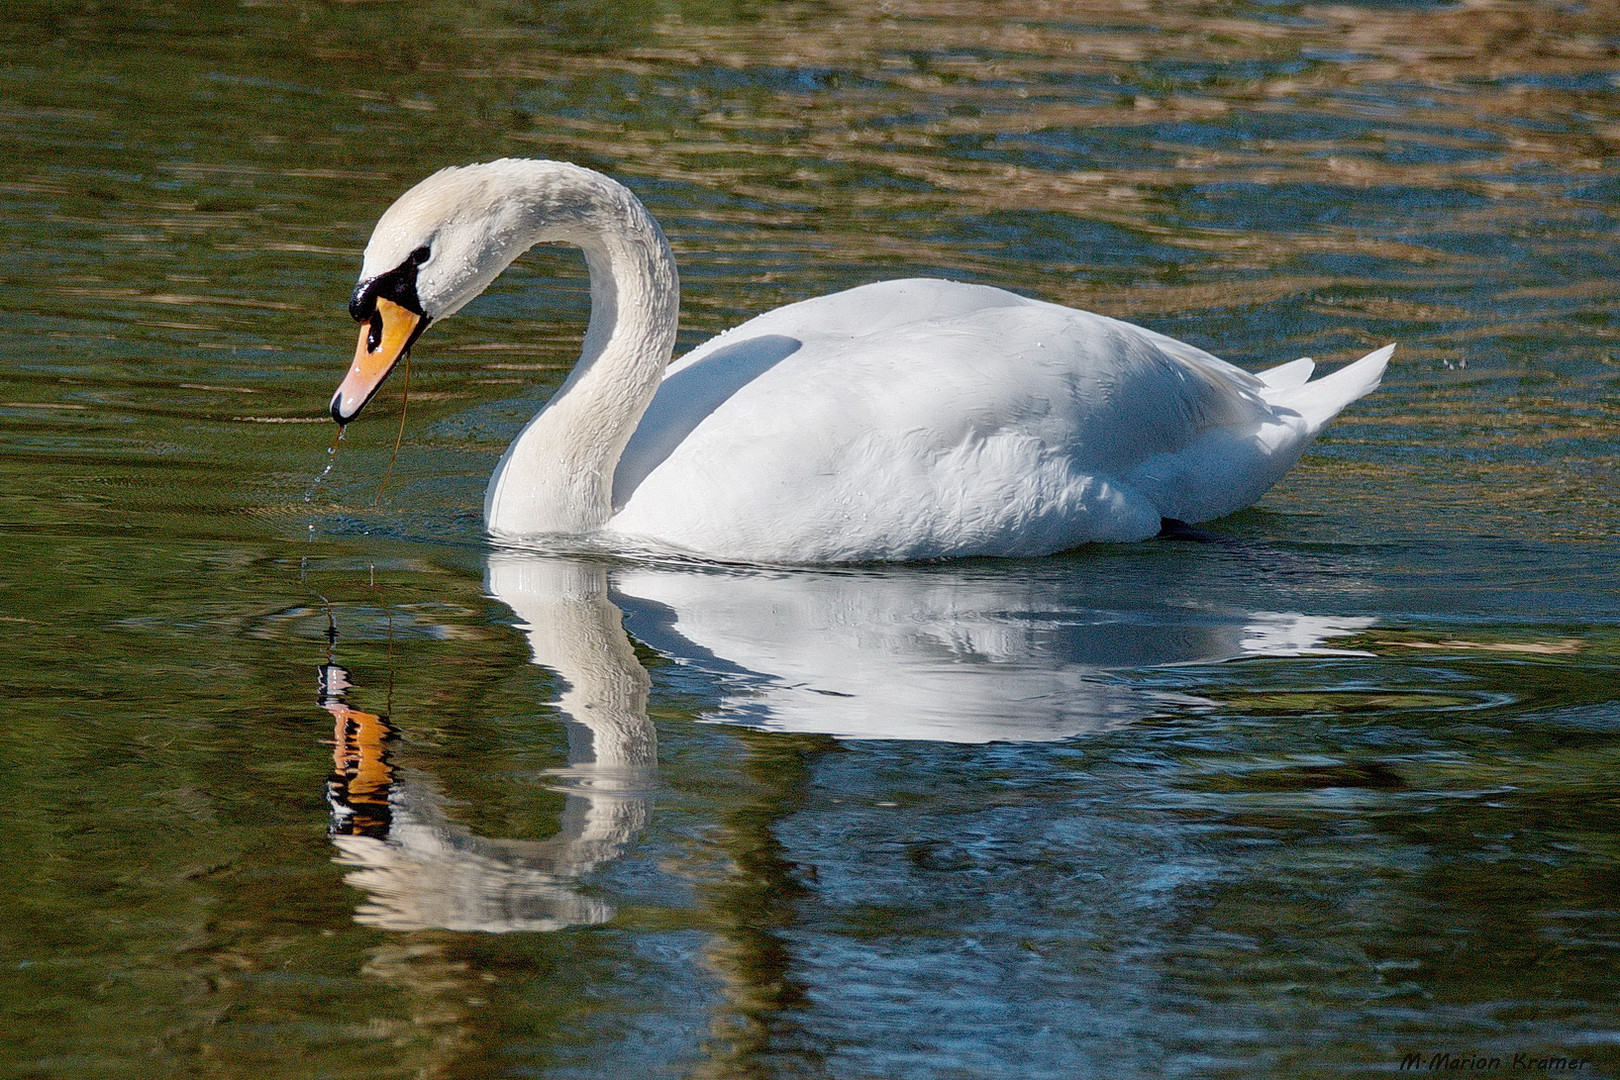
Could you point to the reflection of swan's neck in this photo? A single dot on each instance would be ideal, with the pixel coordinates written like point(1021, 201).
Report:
point(427, 868)
point(575, 631)
point(557, 476)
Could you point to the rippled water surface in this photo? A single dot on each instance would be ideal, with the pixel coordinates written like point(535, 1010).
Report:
point(303, 779)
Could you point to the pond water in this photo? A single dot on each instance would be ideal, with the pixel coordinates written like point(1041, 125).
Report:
point(302, 778)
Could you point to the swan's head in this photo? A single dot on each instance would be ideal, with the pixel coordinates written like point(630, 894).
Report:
point(440, 245)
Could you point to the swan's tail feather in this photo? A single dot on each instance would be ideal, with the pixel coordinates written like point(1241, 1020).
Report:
point(1289, 375)
point(1321, 400)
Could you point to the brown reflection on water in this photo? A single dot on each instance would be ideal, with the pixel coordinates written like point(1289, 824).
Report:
point(750, 910)
point(879, 139)
point(953, 103)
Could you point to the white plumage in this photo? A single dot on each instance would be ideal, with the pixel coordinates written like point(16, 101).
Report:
point(909, 419)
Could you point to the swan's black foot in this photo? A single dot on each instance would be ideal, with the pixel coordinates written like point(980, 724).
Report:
point(1171, 529)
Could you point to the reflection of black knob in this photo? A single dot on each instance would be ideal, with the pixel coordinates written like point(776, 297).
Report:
point(333, 681)
point(365, 814)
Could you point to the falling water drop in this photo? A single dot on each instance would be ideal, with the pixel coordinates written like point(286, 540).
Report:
point(314, 485)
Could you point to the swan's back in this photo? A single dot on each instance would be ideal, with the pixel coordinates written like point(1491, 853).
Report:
point(922, 418)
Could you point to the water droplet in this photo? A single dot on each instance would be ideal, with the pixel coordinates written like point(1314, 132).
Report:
point(314, 485)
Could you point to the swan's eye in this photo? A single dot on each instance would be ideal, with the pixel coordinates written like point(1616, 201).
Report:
point(421, 255)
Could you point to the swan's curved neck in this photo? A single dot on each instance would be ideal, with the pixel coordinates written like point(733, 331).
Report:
point(557, 476)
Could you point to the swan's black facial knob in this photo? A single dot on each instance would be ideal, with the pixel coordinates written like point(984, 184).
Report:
point(397, 285)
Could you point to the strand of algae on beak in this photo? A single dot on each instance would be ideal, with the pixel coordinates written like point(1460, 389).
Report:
point(399, 436)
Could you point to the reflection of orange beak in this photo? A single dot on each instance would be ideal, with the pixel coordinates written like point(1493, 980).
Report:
point(360, 750)
point(384, 338)
point(361, 776)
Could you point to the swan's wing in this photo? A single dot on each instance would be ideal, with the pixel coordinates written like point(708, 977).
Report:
point(692, 390)
point(951, 362)
point(836, 325)
point(912, 419)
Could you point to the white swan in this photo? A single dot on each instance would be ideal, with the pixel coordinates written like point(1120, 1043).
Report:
point(901, 420)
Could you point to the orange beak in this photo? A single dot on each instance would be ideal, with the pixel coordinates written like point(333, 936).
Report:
point(384, 339)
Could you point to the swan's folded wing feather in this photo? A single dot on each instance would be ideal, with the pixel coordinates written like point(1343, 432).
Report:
point(1289, 375)
point(971, 420)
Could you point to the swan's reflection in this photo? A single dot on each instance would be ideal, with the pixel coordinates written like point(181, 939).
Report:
point(939, 653)
point(422, 868)
point(956, 654)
